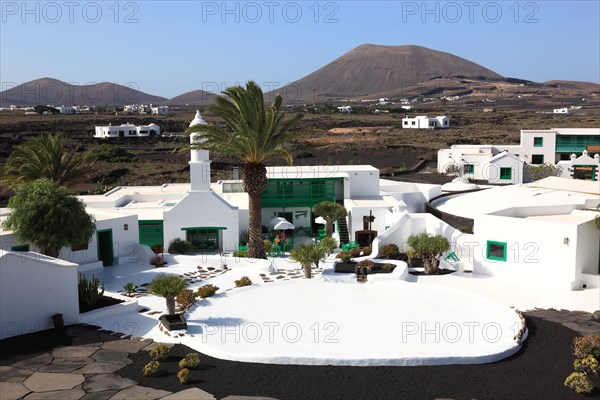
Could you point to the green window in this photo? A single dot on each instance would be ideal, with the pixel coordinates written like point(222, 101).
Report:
point(469, 168)
point(204, 238)
point(538, 142)
point(285, 190)
point(506, 173)
point(20, 247)
point(537, 158)
point(496, 251)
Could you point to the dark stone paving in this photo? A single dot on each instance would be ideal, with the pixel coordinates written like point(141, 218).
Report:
point(86, 369)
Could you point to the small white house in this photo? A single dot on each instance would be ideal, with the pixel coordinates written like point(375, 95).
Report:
point(69, 110)
point(345, 109)
point(161, 110)
point(126, 131)
point(425, 122)
point(505, 168)
point(563, 110)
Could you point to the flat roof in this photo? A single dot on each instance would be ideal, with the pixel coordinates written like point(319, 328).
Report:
point(375, 201)
point(572, 219)
point(567, 184)
point(496, 199)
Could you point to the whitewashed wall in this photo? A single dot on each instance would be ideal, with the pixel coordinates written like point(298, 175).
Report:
point(203, 209)
point(33, 287)
point(535, 250)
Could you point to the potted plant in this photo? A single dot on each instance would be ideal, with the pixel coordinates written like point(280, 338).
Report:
point(169, 286)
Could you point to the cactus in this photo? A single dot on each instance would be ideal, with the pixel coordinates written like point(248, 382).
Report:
point(88, 290)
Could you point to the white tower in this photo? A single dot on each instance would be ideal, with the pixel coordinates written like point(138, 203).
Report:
point(200, 161)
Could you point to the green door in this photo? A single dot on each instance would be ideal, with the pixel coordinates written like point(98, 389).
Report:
point(151, 232)
point(105, 247)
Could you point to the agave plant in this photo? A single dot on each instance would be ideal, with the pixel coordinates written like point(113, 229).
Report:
point(168, 286)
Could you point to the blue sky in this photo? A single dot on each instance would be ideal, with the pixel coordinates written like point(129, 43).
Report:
point(170, 47)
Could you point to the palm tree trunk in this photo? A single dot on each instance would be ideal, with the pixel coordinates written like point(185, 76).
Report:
point(170, 304)
point(307, 271)
point(429, 265)
point(255, 182)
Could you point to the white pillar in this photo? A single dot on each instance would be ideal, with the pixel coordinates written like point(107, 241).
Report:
point(199, 159)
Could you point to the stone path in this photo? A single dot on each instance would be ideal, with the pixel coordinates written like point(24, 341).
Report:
point(286, 275)
point(87, 368)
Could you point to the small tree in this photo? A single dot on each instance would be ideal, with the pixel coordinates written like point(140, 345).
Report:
point(454, 170)
point(330, 212)
point(534, 173)
point(428, 247)
point(307, 255)
point(168, 286)
point(49, 217)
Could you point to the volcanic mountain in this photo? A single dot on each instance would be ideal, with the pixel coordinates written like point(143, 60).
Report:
point(371, 71)
point(52, 91)
point(194, 97)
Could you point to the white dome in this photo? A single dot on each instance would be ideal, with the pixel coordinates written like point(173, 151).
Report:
point(459, 184)
point(198, 120)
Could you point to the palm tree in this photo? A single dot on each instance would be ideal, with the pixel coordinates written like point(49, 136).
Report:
point(307, 255)
point(254, 135)
point(45, 157)
point(168, 286)
point(330, 212)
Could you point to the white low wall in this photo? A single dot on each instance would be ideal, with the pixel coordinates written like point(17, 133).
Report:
point(33, 287)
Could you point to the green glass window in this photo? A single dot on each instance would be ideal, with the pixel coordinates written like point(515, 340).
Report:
point(496, 251)
point(538, 142)
point(20, 247)
point(537, 158)
point(506, 173)
point(469, 168)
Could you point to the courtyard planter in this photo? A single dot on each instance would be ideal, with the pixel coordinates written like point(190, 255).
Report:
point(173, 321)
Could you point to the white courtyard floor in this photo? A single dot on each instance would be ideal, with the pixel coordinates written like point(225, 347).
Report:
point(329, 320)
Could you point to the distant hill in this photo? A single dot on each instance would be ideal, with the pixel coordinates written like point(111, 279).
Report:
point(372, 70)
point(194, 97)
point(576, 85)
point(52, 91)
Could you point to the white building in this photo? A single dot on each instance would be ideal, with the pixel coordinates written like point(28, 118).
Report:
point(345, 109)
point(160, 110)
point(563, 110)
point(424, 122)
point(126, 131)
point(543, 232)
point(69, 110)
point(555, 146)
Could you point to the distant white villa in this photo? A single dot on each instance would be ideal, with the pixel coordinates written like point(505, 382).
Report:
point(69, 110)
point(345, 109)
point(127, 131)
point(576, 151)
point(563, 110)
point(160, 110)
point(424, 122)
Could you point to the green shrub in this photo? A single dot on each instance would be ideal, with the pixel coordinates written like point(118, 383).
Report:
point(365, 263)
point(243, 281)
point(390, 251)
point(588, 365)
point(192, 360)
point(130, 288)
point(328, 243)
point(355, 252)
point(183, 363)
point(240, 253)
point(388, 266)
point(268, 246)
point(186, 298)
point(366, 251)
point(159, 352)
point(584, 346)
point(207, 291)
point(88, 290)
point(151, 369)
point(183, 376)
point(579, 382)
point(178, 246)
point(344, 256)
point(111, 154)
point(465, 229)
